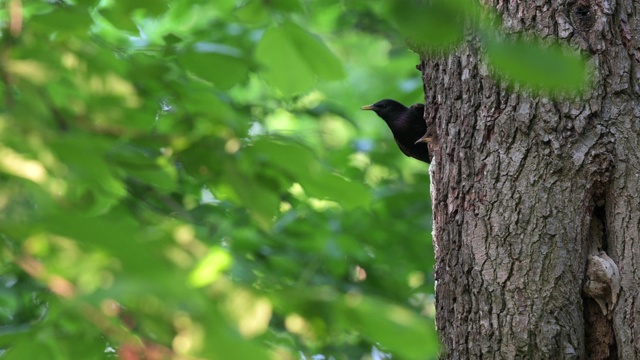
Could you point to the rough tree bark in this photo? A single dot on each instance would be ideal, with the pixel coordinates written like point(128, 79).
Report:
point(530, 194)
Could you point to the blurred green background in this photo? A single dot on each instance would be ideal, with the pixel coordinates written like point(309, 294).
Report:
point(195, 180)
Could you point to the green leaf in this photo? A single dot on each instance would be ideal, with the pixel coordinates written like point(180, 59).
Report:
point(286, 5)
point(87, 3)
point(146, 166)
point(117, 236)
point(404, 332)
point(152, 7)
point(542, 67)
point(294, 59)
point(119, 19)
point(223, 343)
point(300, 165)
point(90, 169)
point(261, 200)
point(68, 19)
point(217, 63)
point(433, 24)
point(253, 12)
point(171, 39)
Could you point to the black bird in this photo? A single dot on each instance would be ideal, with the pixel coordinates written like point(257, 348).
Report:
point(407, 125)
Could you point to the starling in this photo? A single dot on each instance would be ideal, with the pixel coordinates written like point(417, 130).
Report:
point(407, 125)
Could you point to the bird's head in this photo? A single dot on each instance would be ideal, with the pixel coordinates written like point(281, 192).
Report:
point(387, 109)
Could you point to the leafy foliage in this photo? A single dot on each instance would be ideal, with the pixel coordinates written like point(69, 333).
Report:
point(195, 179)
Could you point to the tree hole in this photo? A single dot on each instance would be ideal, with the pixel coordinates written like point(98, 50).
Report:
point(582, 16)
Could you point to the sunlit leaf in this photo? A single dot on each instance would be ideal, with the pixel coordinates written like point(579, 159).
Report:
point(210, 268)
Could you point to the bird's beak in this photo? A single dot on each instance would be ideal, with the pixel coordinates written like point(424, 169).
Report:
point(367, 107)
point(426, 138)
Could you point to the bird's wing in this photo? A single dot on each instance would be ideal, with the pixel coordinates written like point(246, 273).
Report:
point(417, 107)
point(404, 149)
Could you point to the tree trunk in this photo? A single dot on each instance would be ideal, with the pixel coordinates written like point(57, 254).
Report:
point(536, 201)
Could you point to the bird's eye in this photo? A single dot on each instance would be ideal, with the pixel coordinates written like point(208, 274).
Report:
point(382, 106)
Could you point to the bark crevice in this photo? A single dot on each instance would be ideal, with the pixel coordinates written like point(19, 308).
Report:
point(599, 297)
